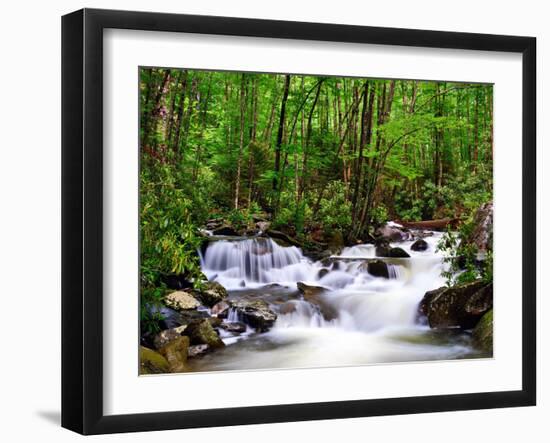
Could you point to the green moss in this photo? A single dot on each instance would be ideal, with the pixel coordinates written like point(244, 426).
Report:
point(151, 362)
point(483, 333)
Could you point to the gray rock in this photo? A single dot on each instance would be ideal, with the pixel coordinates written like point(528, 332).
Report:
point(197, 350)
point(181, 301)
point(220, 309)
point(482, 233)
point(164, 337)
point(255, 313)
point(419, 245)
point(235, 327)
point(393, 233)
point(398, 253)
point(376, 268)
point(460, 306)
point(315, 296)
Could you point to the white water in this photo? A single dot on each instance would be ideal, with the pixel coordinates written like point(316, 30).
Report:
point(377, 317)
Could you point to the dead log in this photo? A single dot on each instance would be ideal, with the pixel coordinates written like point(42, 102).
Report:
point(432, 225)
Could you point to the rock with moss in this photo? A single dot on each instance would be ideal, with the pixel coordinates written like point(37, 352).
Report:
point(151, 362)
point(212, 293)
point(164, 337)
point(483, 333)
point(459, 306)
point(201, 332)
point(175, 353)
point(181, 301)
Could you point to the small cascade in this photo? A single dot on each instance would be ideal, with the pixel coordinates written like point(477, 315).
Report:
point(355, 317)
point(254, 261)
point(364, 302)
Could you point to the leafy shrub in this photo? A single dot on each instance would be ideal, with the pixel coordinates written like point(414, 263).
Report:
point(169, 240)
point(334, 210)
point(463, 264)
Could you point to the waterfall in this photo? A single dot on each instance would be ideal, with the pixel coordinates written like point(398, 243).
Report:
point(375, 317)
point(364, 302)
point(249, 262)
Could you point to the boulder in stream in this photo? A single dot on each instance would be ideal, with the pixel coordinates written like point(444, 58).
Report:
point(376, 268)
point(383, 249)
point(398, 253)
point(255, 313)
point(181, 301)
point(220, 309)
point(419, 245)
point(212, 293)
point(315, 296)
point(201, 332)
point(460, 306)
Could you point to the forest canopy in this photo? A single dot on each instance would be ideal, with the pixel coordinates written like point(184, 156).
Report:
point(308, 153)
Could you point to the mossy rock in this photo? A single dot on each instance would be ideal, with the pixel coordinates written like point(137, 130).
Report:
point(202, 332)
point(483, 333)
point(212, 293)
point(175, 353)
point(151, 362)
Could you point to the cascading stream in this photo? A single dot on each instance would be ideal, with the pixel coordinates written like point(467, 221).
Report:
point(376, 316)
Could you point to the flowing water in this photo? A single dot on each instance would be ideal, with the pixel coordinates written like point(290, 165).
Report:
point(376, 319)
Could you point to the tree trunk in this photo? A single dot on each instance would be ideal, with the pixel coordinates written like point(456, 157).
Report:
point(152, 118)
point(179, 121)
point(241, 140)
point(280, 133)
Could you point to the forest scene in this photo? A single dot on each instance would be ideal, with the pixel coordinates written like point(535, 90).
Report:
point(294, 221)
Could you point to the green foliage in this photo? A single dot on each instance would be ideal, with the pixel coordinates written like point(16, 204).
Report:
point(334, 209)
point(411, 150)
point(169, 239)
point(463, 263)
point(239, 218)
point(462, 193)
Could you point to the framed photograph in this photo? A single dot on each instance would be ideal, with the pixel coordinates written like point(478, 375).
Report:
point(269, 221)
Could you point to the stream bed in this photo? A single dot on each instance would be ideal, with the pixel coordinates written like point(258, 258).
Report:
point(375, 318)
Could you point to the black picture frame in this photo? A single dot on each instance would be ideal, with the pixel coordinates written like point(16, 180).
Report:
point(82, 220)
